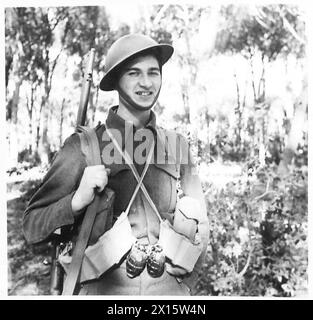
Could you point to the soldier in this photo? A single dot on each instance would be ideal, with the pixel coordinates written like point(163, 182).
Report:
point(168, 233)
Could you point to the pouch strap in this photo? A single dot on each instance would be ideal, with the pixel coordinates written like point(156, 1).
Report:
point(129, 162)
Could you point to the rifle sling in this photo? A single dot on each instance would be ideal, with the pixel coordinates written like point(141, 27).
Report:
point(90, 147)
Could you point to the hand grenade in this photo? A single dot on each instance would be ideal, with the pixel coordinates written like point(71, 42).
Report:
point(156, 261)
point(136, 260)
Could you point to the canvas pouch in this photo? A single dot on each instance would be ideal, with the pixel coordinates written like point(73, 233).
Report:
point(178, 248)
point(108, 251)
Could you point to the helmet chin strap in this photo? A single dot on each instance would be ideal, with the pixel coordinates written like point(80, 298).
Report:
point(130, 103)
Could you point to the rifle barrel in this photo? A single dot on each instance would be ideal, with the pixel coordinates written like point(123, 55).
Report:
point(84, 97)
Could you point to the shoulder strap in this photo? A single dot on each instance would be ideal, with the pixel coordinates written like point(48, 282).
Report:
point(169, 139)
point(89, 145)
point(91, 150)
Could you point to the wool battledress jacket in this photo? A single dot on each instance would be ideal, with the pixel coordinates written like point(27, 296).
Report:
point(50, 207)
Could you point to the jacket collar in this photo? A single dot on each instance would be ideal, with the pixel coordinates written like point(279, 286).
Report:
point(127, 130)
point(117, 122)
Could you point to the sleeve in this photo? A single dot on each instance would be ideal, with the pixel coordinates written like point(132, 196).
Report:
point(50, 207)
point(191, 186)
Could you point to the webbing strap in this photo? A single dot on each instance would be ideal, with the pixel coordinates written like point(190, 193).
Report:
point(140, 181)
point(90, 147)
point(126, 157)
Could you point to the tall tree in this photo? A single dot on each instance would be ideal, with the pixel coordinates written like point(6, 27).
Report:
point(31, 31)
point(88, 27)
point(192, 29)
point(260, 33)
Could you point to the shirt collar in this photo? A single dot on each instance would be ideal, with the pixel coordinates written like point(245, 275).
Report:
point(126, 128)
point(115, 121)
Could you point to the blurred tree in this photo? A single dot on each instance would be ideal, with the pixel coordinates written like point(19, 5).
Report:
point(30, 31)
point(260, 33)
point(13, 52)
point(192, 31)
point(89, 27)
point(298, 129)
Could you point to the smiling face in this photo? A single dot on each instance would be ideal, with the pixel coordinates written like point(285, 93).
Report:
point(140, 82)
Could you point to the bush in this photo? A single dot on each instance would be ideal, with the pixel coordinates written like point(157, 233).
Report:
point(258, 235)
point(26, 156)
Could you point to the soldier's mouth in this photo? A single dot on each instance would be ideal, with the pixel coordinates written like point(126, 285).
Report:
point(144, 93)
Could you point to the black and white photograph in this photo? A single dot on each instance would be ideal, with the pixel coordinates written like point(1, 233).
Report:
point(156, 149)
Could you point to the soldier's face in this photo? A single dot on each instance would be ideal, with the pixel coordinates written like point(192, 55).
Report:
point(140, 82)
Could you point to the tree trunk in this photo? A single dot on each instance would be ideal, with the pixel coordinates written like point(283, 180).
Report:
point(61, 123)
point(12, 108)
point(238, 113)
point(252, 77)
point(185, 97)
point(294, 137)
point(37, 134)
point(30, 129)
point(261, 87)
point(8, 65)
point(45, 145)
point(298, 126)
point(30, 109)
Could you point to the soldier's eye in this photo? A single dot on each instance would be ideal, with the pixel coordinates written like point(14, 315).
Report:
point(154, 73)
point(133, 73)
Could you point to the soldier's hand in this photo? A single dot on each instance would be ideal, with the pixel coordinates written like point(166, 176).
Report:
point(95, 178)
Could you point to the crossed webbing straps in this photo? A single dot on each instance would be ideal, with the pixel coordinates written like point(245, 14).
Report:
point(129, 162)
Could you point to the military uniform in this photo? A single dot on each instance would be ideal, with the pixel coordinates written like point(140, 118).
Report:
point(50, 207)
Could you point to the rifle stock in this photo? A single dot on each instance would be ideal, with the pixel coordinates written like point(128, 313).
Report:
point(56, 275)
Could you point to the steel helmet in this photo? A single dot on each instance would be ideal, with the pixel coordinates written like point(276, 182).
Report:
point(125, 48)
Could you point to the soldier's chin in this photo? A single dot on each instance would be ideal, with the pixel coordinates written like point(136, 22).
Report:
point(142, 107)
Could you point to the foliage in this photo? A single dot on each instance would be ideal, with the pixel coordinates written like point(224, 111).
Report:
point(26, 156)
point(38, 40)
point(31, 31)
point(28, 271)
point(88, 27)
point(258, 235)
point(261, 28)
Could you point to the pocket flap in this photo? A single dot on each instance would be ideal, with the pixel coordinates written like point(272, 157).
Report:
point(116, 168)
point(171, 169)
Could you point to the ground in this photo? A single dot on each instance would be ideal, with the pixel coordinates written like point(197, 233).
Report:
point(28, 266)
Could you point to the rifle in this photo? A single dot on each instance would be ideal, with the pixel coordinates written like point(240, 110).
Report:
point(84, 97)
point(57, 272)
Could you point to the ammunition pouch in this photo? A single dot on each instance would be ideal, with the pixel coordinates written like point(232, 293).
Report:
point(108, 251)
point(181, 242)
point(178, 248)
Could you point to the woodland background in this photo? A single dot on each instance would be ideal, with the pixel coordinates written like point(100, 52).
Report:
point(236, 86)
